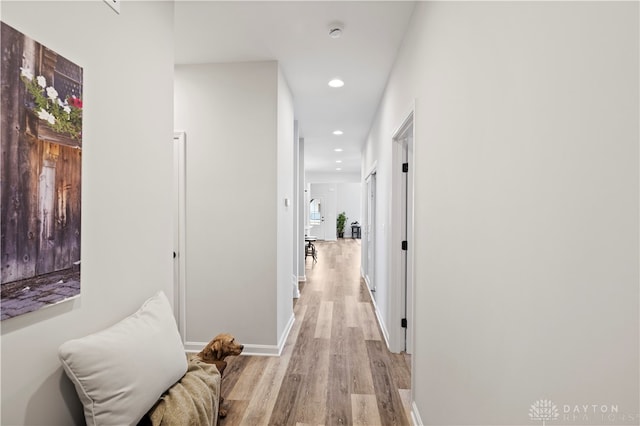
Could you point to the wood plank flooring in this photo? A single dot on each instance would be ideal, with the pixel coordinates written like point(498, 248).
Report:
point(335, 368)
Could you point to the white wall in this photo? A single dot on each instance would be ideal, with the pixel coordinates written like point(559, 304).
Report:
point(526, 206)
point(302, 211)
point(297, 206)
point(286, 213)
point(126, 190)
point(332, 177)
point(235, 116)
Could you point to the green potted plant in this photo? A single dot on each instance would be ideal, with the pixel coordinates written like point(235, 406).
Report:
point(340, 221)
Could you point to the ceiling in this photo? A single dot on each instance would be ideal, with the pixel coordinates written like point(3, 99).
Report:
point(296, 34)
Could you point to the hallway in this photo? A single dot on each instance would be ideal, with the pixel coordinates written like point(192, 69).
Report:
point(335, 367)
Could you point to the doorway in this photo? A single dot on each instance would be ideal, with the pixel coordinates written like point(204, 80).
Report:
point(402, 238)
point(316, 217)
point(370, 233)
point(179, 229)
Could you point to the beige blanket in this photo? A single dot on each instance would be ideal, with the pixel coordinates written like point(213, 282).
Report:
point(191, 401)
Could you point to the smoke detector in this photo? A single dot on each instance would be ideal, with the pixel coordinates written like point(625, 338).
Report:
point(335, 30)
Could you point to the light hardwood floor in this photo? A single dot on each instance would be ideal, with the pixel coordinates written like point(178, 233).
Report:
point(335, 368)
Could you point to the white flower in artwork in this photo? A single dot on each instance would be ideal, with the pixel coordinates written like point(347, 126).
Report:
point(45, 115)
point(64, 105)
point(63, 115)
point(26, 73)
point(52, 93)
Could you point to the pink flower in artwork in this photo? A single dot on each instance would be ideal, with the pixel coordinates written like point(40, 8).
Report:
point(75, 102)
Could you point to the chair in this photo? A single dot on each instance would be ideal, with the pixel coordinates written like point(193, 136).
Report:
point(310, 248)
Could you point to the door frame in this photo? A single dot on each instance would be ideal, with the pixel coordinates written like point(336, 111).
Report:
point(179, 230)
point(402, 263)
point(323, 223)
point(369, 252)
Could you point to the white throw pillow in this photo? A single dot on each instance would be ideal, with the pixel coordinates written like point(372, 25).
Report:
point(120, 372)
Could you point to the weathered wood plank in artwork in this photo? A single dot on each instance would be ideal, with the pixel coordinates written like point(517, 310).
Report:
point(38, 129)
point(17, 251)
point(41, 181)
point(67, 206)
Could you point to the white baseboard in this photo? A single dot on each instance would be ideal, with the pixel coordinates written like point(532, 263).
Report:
point(385, 333)
point(415, 415)
point(285, 334)
point(302, 279)
point(251, 349)
point(194, 347)
point(295, 288)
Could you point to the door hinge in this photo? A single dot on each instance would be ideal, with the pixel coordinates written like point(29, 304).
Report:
point(403, 323)
point(405, 167)
point(404, 245)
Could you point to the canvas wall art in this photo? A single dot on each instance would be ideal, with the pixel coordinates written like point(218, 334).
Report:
point(40, 175)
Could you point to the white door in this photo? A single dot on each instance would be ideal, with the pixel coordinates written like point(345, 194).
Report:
point(404, 219)
point(317, 212)
point(401, 238)
point(370, 233)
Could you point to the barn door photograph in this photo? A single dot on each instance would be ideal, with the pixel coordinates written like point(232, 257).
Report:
point(40, 172)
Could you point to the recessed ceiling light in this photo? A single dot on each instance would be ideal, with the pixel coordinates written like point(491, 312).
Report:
point(338, 161)
point(336, 82)
point(335, 32)
point(338, 132)
point(335, 29)
point(338, 150)
point(338, 168)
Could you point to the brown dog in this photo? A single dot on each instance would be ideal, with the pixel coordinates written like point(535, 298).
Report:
point(222, 346)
